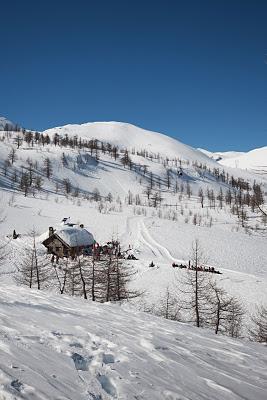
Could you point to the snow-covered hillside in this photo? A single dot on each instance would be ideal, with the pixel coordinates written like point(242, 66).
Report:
point(163, 233)
point(254, 160)
point(56, 347)
point(153, 205)
point(132, 137)
point(222, 155)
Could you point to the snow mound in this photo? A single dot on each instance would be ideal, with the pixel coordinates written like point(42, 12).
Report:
point(57, 347)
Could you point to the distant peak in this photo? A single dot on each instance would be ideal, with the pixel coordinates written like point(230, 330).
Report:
point(4, 122)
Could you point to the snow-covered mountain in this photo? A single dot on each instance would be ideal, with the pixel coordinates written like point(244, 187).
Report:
point(4, 122)
point(132, 137)
point(255, 160)
point(223, 155)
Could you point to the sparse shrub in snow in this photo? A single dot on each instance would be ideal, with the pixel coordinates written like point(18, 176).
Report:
point(109, 197)
point(56, 187)
point(144, 212)
point(67, 186)
point(226, 313)
point(264, 219)
point(105, 279)
point(100, 206)
point(258, 331)
point(167, 307)
point(32, 267)
point(48, 170)
point(194, 286)
point(174, 216)
point(96, 195)
point(12, 156)
point(76, 192)
point(11, 200)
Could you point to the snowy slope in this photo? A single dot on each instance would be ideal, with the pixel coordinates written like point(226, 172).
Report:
point(222, 155)
point(255, 160)
point(129, 136)
point(56, 347)
point(163, 236)
point(243, 263)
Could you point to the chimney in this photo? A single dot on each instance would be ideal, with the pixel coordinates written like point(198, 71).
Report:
point(81, 225)
point(51, 231)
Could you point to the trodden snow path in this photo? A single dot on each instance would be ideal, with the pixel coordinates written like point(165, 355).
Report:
point(137, 235)
point(57, 347)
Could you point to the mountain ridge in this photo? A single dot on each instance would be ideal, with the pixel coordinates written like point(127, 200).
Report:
point(255, 159)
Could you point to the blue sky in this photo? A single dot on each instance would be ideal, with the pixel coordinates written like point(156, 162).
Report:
point(194, 70)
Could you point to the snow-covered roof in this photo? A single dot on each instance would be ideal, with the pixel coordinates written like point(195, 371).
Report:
point(75, 236)
point(72, 236)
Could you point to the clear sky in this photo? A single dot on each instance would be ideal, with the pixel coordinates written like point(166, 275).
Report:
point(195, 70)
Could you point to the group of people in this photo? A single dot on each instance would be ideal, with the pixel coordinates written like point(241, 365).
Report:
point(131, 257)
point(205, 269)
point(199, 268)
point(110, 248)
point(174, 265)
point(113, 248)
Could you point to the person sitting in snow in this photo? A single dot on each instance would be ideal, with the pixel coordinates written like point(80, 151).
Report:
point(15, 235)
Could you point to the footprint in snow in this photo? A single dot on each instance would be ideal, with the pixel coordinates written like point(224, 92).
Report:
point(161, 348)
point(56, 333)
point(107, 385)
point(108, 359)
point(81, 363)
point(17, 385)
point(95, 396)
point(77, 345)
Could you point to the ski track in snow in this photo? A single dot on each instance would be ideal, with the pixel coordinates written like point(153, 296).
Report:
point(138, 235)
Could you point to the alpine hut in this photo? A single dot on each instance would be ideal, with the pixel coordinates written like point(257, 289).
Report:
point(69, 241)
